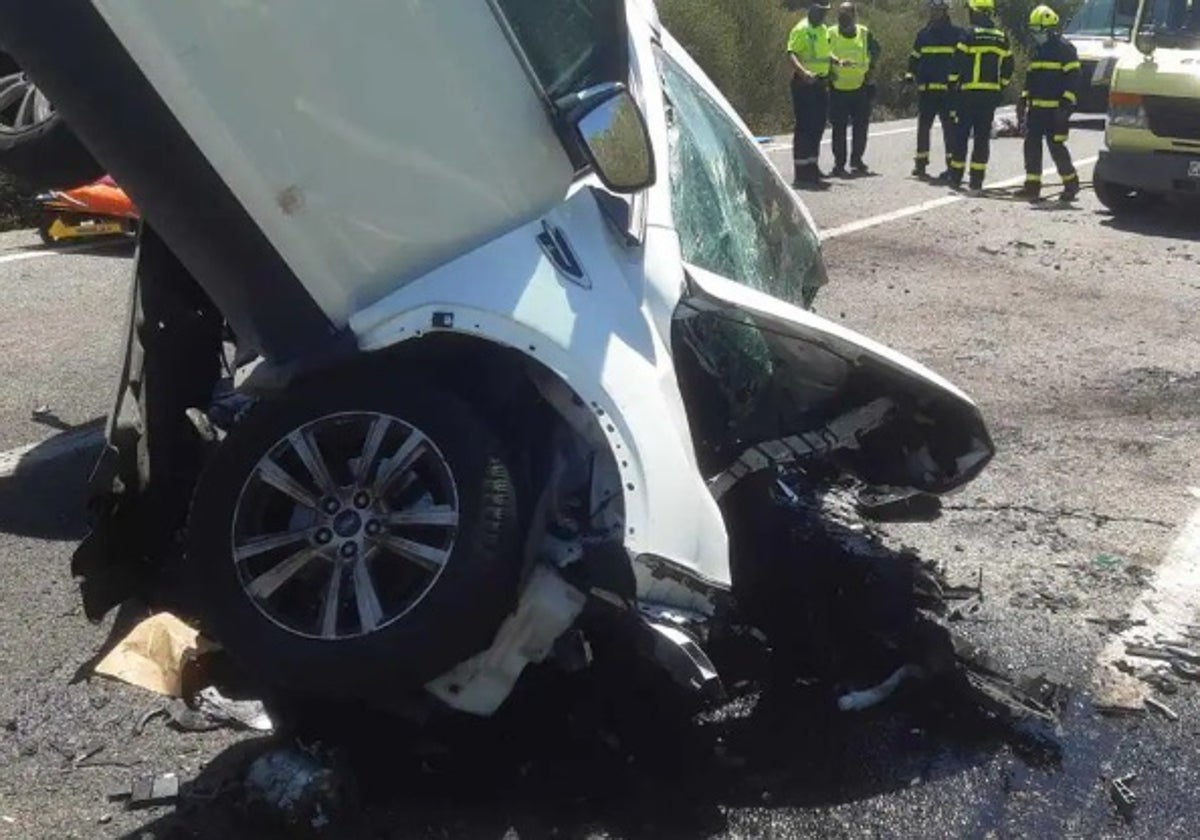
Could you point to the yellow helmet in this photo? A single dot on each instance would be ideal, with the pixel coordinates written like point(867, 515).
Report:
point(1043, 17)
point(981, 5)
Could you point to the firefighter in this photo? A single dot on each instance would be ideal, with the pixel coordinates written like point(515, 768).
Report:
point(1049, 97)
point(855, 51)
point(929, 69)
point(981, 70)
point(809, 53)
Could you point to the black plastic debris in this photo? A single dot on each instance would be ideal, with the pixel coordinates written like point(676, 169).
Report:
point(1122, 795)
point(149, 792)
point(300, 792)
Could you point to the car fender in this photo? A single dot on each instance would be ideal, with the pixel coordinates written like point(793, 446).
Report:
point(566, 291)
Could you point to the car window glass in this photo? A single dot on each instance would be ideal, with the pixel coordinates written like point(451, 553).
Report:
point(734, 213)
point(570, 44)
point(1104, 18)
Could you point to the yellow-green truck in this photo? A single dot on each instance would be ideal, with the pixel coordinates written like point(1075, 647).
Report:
point(1153, 134)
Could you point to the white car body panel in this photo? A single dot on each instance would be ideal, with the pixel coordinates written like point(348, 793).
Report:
point(421, 172)
point(604, 343)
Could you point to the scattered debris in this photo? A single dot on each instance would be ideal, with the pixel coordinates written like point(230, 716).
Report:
point(1188, 672)
point(140, 726)
point(154, 654)
point(42, 411)
point(1148, 652)
point(149, 792)
point(857, 701)
point(1122, 795)
point(898, 506)
point(1161, 707)
point(1008, 127)
point(298, 791)
point(1116, 625)
point(1189, 656)
point(250, 714)
point(1107, 561)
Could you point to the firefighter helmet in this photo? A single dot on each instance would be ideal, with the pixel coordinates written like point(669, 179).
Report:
point(1043, 17)
point(981, 5)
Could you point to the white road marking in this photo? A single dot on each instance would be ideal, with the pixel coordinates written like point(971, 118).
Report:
point(1168, 606)
point(783, 143)
point(21, 256)
point(914, 209)
point(780, 147)
point(24, 457)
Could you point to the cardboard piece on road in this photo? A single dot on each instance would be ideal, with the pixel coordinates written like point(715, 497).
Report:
point(154, 654)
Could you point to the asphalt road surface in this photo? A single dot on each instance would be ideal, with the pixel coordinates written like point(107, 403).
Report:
point(1078, 335)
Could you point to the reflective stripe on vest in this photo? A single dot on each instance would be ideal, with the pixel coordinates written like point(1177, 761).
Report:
point(853, 50)
point(811, 45)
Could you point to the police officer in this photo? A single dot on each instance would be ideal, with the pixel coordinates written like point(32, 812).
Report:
point(1049, 97)
point(855, 52)
point(809, 53)
point(929, 68)
point(982, 68)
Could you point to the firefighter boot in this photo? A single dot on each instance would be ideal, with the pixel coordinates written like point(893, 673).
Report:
point(1031, 190)
point(1070, 190)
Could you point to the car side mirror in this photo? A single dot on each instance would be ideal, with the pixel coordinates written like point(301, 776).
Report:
point(612, 134)
point(1145, 42)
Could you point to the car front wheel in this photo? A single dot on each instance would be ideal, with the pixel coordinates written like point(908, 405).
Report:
point(36, 146)
point(356, 537)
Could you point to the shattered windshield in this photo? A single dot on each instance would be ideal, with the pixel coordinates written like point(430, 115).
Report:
point(1175, 23)
point(1104, 18)
point(571, 44)
point(736, 218)
point(734, 214)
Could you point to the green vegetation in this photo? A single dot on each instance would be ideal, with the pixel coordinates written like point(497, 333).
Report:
point(740, 44)
point(17, 208)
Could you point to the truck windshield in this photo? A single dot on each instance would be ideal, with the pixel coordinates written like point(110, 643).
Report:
point(1104, 19)
point(1175, 23)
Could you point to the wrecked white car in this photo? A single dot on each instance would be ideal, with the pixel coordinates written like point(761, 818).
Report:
point(459, 327)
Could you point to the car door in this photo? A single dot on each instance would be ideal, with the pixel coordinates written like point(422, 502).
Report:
point(765, 379)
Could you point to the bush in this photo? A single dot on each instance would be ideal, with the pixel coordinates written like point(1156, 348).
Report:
point(17, 209)
point(741, 45)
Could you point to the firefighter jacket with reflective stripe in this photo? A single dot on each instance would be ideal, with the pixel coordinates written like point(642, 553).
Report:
point(983, 60)
point(1053, 75)
point(810, 44)
point(932, 55)
point(855, 55)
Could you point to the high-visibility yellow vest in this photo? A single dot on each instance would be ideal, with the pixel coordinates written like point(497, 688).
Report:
point(811, 45)
point(854, 50)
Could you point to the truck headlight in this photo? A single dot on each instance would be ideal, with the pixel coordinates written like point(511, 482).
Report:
point(1126, 110)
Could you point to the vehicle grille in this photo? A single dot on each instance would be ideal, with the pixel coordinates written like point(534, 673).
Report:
point(1173, 116)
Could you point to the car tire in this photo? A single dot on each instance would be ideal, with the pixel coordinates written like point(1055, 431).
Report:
point(470, 594)
point(36, 146)
point(1119, 200)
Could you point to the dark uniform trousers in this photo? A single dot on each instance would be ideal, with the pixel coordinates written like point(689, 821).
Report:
point(931, 105)
point(849, 108)
point(1043, 125)
point(810, 103)
point(976, 112)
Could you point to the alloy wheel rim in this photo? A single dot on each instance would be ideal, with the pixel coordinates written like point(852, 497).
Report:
point(22, 104)
point(345, 525)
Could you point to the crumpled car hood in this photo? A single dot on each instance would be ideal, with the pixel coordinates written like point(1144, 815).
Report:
point(775, 383)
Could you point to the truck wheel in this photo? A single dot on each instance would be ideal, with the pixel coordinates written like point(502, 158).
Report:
point(349, 539)
point(1119, 200)
point(36, 146)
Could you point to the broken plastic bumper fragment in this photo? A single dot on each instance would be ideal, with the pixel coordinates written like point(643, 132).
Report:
point(547, 608)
